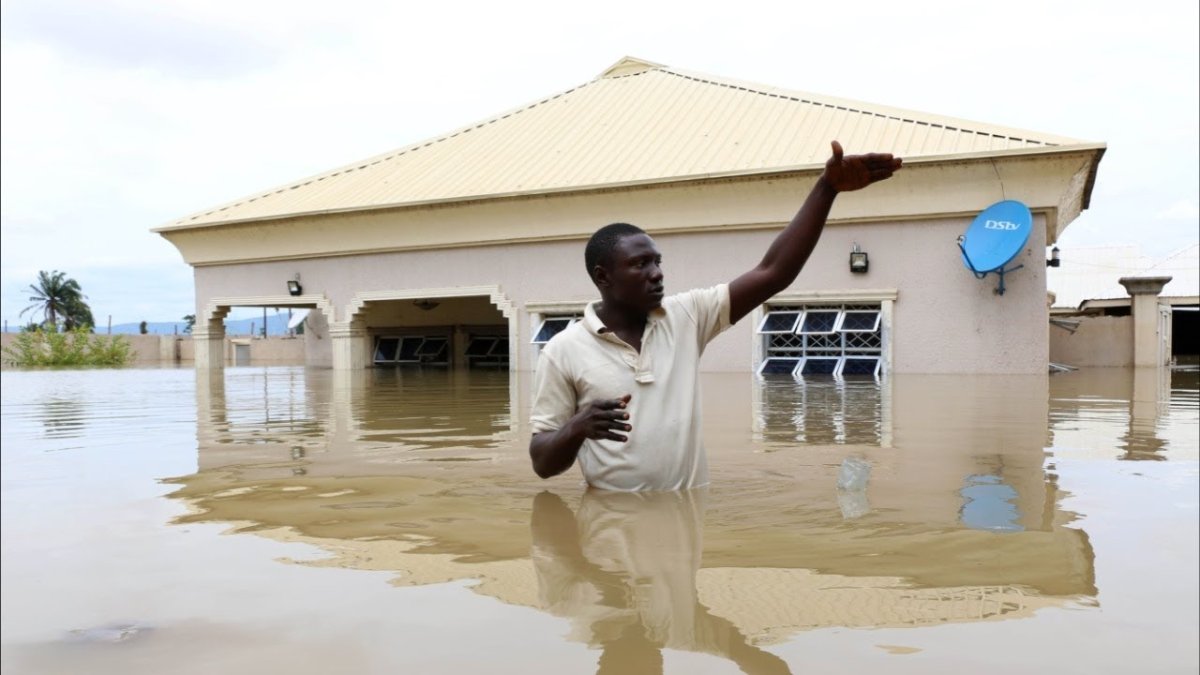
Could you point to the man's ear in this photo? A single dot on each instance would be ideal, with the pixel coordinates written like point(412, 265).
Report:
point(600, 276)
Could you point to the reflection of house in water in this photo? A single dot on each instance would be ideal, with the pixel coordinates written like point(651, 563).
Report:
point(63, 417)
point(821, 410)
point(270, 415)
point(1118, 412)
point(765, 553)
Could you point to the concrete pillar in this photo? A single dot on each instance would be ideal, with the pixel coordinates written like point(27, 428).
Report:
point(1144, 292)
point(209, 348)
point(351, 347)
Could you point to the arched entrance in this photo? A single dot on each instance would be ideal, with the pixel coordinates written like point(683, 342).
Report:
point(465, 328)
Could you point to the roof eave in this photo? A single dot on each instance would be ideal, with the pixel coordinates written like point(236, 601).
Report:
point(958, 158)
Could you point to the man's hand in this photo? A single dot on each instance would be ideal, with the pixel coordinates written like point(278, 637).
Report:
point(602, 419)
point(855, 172)
point(553, 452)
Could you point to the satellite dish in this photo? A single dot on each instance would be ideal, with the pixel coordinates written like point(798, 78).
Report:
point(995, 238)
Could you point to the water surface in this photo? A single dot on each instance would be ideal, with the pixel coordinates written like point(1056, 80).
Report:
point(269, 519)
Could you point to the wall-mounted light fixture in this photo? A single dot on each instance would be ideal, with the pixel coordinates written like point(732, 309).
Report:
point(858, 260)
point(1053, 261)
point(426, 304)
point(294, 287)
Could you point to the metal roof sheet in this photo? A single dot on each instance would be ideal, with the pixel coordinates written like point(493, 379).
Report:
point(638, 122)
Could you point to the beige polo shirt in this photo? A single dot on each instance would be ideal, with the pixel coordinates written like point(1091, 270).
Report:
point(587, 362)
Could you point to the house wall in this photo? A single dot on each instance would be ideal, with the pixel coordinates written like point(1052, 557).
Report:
point(1100, 341)
point(945, 320)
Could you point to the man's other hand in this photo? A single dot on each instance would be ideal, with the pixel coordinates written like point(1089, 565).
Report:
point(603, 419)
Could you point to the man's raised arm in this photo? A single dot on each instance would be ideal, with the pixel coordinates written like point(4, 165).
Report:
point(790, 250)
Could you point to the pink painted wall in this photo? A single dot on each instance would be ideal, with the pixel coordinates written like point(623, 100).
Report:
point(946, 321)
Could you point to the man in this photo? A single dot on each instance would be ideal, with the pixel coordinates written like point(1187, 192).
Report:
point(619, 390)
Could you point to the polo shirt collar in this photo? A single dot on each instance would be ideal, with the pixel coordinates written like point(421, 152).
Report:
point(596, 327)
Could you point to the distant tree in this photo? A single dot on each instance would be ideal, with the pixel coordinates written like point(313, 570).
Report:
point(142, 328)
point(77, 314)
point(191, 323)
point(57, 296)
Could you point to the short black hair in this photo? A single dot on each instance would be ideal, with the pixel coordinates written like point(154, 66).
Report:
point(600, 246)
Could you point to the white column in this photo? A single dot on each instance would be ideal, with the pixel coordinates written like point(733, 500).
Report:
point(1144, 301)
point(209, 348)
point(350, 346)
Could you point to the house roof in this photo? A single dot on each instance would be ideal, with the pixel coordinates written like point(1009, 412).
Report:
point(636, 123)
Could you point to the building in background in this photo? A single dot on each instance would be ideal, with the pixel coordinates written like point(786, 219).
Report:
point(1094, 312)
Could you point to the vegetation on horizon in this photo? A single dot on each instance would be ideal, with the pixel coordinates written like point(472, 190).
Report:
point(64, 337)
point(75, 347)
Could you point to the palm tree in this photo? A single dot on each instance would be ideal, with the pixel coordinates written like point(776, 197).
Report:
point(57, 295)
point(77, 314)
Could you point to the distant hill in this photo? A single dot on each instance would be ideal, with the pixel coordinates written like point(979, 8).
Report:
point(276, 325)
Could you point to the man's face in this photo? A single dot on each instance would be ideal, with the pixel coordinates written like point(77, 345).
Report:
point(635, 279)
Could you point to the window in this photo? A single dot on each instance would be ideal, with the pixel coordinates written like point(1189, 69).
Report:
point(779, 322)
point(551, 326)
point(422, 349)
point(480, 346)
point(776, 366)
point(435, 350)
point(487, 351)
point(859, 321)
point(818, 365)
point(409, 347)
point(860, 365)
point(822, 340)
point(818, 322)
point(385, 349)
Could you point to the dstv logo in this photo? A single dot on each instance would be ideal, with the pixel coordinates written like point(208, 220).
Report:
point(1000, 225)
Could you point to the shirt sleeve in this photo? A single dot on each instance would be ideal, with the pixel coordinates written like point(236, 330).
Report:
point(554, 397)
point(709, 308)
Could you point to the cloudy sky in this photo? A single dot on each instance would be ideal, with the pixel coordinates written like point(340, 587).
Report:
point(120, 115)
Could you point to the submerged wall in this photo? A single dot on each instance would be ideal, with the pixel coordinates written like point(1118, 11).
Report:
point(1099, 342)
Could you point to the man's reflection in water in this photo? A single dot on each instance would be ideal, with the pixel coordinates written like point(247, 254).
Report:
point(623, 569)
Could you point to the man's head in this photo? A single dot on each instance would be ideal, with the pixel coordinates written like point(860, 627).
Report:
point(625, 265)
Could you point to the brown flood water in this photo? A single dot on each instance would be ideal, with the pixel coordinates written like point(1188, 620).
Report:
point(297, 520)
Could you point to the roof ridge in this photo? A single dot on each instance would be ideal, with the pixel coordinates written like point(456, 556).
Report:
point(815, 99)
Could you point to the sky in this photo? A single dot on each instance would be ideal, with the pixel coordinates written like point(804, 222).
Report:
point(118, 116)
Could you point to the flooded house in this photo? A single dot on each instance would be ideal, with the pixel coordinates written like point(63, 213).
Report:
point(466, 250)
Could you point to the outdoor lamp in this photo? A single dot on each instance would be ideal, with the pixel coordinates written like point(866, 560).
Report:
point(294, 287)
point(1053, 261)
point(858, 260)
point(426, 304)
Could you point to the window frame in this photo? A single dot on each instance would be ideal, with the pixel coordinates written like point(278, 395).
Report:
point(547, 319)
point(837, 312)
point(767, 315)
point(837, 364)
point(792, 371)
point(839, 327)
point(874, 373)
